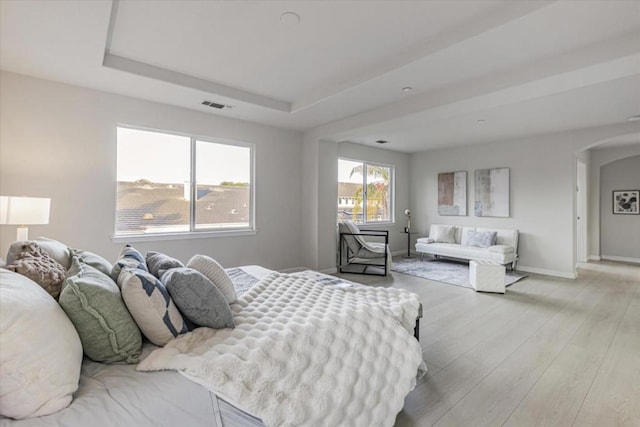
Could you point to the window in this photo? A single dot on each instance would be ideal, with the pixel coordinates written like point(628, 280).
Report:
point(170, 183)
point(365, 191)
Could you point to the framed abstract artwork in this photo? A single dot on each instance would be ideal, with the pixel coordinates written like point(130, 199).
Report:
point(492, 192)
point(452, 193)
point(626, 202)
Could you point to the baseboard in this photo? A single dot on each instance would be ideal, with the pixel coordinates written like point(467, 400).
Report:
point(400, 253)
point(329, 270)
point(546, 272)
point(621, 258)
point(594, 258)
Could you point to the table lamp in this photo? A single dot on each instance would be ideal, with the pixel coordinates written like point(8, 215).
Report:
point(23, 211)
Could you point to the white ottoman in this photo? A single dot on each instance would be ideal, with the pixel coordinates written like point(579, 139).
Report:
point(486, 276)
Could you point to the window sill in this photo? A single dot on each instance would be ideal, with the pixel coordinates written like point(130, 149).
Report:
point(182, 236)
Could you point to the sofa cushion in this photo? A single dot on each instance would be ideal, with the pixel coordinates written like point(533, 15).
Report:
point(129, 257)
point(36, 264)
point(41, 351)
point(480, 239)
point(214, 272)
point(502, 249)
point(94, 304)
point(198, 298)
point(151, 306)
point(158, 263)
point(443, 233)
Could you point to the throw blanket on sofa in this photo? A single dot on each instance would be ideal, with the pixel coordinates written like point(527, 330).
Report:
point(306, 354)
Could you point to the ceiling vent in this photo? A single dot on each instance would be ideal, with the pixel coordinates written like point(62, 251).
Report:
point(214, 105)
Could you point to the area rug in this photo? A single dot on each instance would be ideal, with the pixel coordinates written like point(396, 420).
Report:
point(451, 272)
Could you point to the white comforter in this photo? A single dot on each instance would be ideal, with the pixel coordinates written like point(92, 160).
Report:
point(306, 354)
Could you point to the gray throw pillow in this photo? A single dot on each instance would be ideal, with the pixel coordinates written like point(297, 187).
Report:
point(94, 304)
point(159, 263)
point(94, 260)
point(198, 298)
point(129, 257)
point(480, 239)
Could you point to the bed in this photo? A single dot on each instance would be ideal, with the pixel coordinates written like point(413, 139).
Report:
point(121, 395)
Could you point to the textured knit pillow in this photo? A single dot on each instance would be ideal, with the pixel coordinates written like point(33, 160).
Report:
point(197, 298)
point(129, 257)
point(55, 249)
point(36, 264)
point(94, 260)
point(158, 263)
point(41, 351)
point(480, 239)
point(151, 306)
point(443, 233)
point(94, 304)
point(214, 272)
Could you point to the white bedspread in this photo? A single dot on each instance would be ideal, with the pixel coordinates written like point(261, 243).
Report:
point(306, 354)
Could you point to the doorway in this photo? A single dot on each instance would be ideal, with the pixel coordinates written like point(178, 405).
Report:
point(581, 211)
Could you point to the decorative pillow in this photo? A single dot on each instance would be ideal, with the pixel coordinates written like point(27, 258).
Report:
point(198, 299)
point(502, 249)
point(41, 351)
point(94, 260)
point(443, 233)
point(56, 250)
point(158, 263)
point(129, 257)
point(36, 264)
point(94, 304)
point(480, 239)
point(214, 272)
point(151, 306)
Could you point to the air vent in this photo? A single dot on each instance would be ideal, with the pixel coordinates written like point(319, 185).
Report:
point(381, 141)
point(213, 105)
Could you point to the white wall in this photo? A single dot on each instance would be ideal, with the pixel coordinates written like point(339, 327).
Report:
point(59, 141)
point(619, 234)
point(598, 157)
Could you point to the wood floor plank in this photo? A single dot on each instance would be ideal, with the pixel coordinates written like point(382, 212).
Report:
point(548, 352)
point(548, 403)
point(614, 397)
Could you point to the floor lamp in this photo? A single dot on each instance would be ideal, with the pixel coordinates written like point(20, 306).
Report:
point(23, 211)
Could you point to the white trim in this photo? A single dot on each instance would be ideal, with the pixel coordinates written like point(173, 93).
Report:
point(546, 272)
point(594, 258)
point(182, 236)
point(401, 253)
point(621, 258)
point(329, 271)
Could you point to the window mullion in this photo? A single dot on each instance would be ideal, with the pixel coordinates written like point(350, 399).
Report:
point(192, 178)
point(364, 193)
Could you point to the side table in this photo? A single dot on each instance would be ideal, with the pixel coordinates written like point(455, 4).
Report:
point(408, 233)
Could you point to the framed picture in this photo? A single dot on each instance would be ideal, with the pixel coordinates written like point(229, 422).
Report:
point(626, 202)
point(492, 192)
point(452, 193)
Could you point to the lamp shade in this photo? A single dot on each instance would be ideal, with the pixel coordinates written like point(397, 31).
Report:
point(24, 210)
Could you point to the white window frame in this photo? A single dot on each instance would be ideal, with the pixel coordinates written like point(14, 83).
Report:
point(392, 192)
point(194, 233)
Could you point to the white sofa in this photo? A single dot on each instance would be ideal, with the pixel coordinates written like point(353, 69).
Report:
point(452, 241)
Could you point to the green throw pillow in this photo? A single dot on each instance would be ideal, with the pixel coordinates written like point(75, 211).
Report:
point(93, 302)
point(94, 260)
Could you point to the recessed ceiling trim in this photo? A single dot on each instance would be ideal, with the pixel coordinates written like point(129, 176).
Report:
point(151, 71)
point(158, 73)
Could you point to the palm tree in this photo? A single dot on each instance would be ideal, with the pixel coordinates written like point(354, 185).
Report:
point(377, 192)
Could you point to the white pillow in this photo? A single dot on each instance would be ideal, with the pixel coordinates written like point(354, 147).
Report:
point(41, 352)
point(443, 233)
point(214, 272)
point(151, 306)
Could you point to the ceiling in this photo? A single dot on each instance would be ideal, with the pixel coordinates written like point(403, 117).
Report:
point(520, 68)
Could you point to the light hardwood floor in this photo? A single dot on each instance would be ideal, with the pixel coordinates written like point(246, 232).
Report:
point(550, 352)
